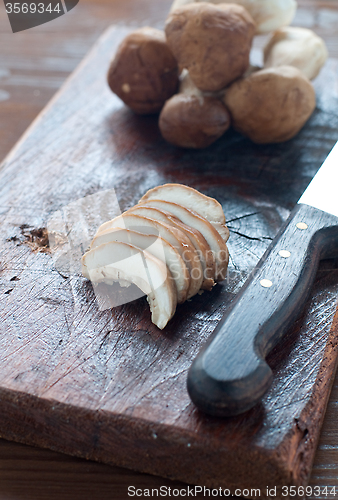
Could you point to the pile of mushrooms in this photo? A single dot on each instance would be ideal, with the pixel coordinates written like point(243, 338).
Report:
point(171, 245)
point(197, 72)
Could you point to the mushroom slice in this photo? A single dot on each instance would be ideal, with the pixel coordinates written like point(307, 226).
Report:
point(117, 261)
point(211, 235)
point(174, 236)
point(197, 239)
point(192, 199)
point(158, 247)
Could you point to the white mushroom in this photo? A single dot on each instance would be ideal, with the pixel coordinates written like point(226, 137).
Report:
point(192, 199)
point(197, 239)
point(211, 235)
point(174, 236)
point(269, 15)
point(158, 247)
point(117, 261)
point(298, 47)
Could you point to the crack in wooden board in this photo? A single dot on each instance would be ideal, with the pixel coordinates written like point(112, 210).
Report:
point(109, 385)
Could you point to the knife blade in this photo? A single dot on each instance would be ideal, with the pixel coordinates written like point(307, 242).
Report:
point(230, 375)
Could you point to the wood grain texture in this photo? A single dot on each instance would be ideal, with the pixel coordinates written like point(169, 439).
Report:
point(26, 67)
point(108, 385)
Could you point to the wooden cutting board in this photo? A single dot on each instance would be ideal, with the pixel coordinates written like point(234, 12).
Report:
point(108, 385)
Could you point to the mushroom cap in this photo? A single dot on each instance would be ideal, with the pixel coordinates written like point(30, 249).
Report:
point(144, 72)
point(192, 121)
point(268, 15)
point(158, 247)
point(215, 241)
point(271, 105)
point(116, 261)
point(212, 42)
point(298, 47)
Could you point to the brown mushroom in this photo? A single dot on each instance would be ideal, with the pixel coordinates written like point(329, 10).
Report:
point(268, 15)
point(271, 105)
point(191, 121)
point(211, 41)
point(144, 71)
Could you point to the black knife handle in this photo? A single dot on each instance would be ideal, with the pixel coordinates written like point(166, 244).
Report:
point(230, 374)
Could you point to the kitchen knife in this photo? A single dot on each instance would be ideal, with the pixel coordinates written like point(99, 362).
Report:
point(230, 374)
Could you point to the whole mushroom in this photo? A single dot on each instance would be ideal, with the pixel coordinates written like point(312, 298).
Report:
point(269, 15)
point(192, 118)
point(189, 121)
point(144, 72)
point(271, 105)
point(299, 47)
point(212, 42)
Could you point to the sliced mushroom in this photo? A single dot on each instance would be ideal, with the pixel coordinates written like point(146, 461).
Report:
point(192, 199)
point(197, 239)
point(174, 236)
point(117, 261)
point(211, 235)
point(158, 247)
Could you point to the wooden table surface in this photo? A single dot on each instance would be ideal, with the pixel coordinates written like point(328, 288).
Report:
point(33, 65)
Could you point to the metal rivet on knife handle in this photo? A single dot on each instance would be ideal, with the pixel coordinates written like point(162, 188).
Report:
point(302, 225)
point(285, 254)
point(266, 283)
